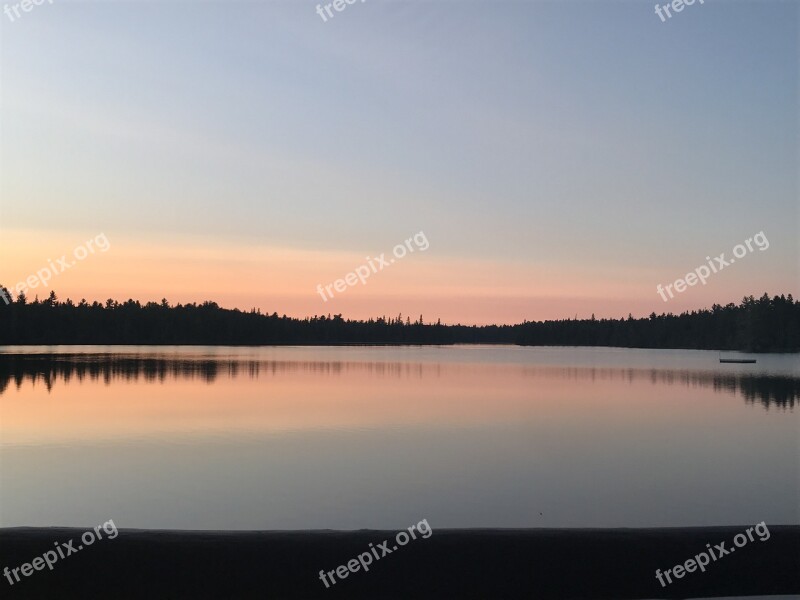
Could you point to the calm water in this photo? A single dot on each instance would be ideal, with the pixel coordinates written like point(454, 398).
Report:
point(364, 437)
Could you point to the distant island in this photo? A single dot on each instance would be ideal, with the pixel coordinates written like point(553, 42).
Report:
point(756, 325)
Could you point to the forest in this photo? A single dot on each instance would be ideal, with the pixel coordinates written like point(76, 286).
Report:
point(765, 324)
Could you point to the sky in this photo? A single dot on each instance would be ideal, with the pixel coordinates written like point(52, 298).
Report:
point(560, 158)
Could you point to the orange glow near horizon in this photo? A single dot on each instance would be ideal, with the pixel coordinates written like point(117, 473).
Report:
point(285, 280)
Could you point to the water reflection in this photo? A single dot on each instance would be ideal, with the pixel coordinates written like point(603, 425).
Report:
point(768, 390)
point(345, 438)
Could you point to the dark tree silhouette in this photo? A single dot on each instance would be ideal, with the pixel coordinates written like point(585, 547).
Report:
point(758, 325)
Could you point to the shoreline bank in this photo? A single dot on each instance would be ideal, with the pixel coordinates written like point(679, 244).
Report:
point(451, 563)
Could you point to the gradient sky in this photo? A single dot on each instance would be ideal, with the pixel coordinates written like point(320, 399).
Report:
point(561, 158)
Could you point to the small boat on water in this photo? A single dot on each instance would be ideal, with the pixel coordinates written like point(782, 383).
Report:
point(736, 360)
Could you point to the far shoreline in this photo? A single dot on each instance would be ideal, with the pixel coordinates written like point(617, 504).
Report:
point(756, 325)
point(388, 345)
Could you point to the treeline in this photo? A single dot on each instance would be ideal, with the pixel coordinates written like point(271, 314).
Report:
point(757, 325)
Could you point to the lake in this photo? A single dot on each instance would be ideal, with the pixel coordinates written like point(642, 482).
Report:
point(382, 437)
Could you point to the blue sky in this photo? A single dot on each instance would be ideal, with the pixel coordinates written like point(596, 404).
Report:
point(573, 135)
